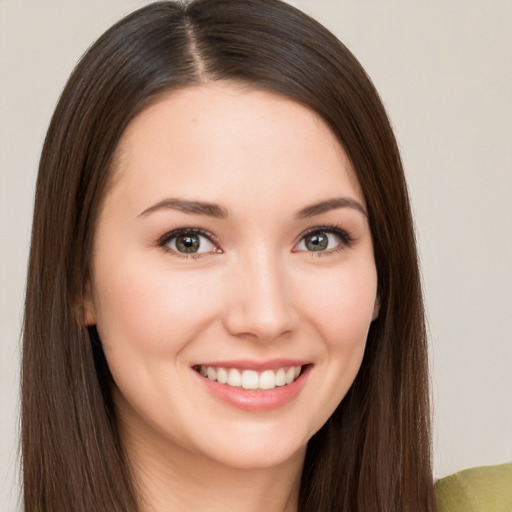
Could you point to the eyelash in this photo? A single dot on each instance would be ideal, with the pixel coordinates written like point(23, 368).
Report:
point(346, 238)
point(165, 239)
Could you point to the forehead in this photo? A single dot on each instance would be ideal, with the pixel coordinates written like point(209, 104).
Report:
point(231, 141)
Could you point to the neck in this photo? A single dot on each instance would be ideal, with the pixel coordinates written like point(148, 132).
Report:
point(189, 482)
point(175, 479)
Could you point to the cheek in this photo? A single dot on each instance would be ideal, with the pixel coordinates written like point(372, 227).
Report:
point(143, 309)
point(342, 309)
point(339, 315)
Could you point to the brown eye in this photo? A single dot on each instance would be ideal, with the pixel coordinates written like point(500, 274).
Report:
point(316, 242)
point(323, 240)
point(189, 243)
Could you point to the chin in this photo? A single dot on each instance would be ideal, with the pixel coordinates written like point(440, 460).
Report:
point(249, 456)
point(251, 445)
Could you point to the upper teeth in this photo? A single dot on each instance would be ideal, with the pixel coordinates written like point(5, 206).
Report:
point(250, 379)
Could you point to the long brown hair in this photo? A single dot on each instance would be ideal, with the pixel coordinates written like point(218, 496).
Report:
point(374, 452)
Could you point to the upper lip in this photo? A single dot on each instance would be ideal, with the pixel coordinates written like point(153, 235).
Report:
point(259, 366)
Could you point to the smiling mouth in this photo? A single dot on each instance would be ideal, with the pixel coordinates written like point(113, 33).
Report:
point(251, 379)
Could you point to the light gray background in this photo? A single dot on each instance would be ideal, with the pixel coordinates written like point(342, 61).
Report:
point(444, 71)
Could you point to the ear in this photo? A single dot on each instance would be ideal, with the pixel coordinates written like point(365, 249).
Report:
point(86, 314)
point(376, 308)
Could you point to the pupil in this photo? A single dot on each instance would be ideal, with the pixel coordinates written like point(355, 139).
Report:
point(317, 242)
point(187, 243)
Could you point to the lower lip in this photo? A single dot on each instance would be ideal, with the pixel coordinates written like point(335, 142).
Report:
point(257, 401)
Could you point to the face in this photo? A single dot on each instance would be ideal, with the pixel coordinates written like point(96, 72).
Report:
point(233, 279)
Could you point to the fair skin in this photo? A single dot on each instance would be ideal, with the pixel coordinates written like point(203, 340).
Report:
point(271, 271)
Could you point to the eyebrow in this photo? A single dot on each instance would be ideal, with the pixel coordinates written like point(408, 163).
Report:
point(190, 207)
point(219, 212)
point(330, 204)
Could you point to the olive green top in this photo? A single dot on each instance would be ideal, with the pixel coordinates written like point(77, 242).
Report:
point(482, 489)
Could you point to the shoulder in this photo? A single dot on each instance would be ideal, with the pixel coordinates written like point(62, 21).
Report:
point(482, 489)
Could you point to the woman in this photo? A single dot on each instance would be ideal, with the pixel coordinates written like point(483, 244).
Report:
point(223, 304)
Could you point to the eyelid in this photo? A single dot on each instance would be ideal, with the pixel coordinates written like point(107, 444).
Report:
point(164, 240)
point(346, 238)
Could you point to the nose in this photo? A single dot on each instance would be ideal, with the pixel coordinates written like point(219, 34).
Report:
point(260, 304)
